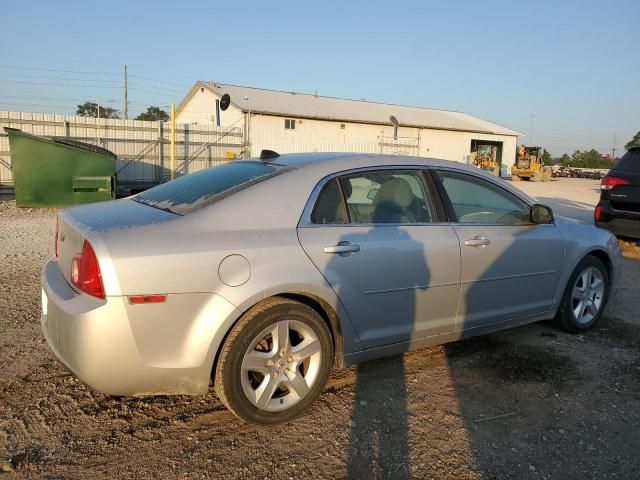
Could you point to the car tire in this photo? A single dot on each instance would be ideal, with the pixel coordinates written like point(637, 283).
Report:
point(243, 383)
point(578, 298)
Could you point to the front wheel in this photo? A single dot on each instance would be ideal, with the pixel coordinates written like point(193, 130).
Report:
point(585, 296)
point(274, 362)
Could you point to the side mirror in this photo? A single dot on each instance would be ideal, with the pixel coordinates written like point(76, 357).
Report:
point(372, 193)
point(541, 214)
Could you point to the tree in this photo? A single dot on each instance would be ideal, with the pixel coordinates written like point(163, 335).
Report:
point(546, 158)
point(153, 114)
point(635, 141)
point(590, 159)
point(90, 109)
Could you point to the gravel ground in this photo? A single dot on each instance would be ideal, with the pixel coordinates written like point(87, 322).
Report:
point(532, 402)
point(571, 197)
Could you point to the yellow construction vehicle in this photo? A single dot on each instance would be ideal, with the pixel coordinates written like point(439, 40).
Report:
point(529, 165)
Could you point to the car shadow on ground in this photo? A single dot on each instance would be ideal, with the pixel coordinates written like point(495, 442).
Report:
point(531, 402)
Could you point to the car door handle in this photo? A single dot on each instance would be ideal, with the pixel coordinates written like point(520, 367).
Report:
point(342, 248)
point(477, 241)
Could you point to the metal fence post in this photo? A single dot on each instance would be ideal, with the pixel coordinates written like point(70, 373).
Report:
point(160, 174)
point(173, 140)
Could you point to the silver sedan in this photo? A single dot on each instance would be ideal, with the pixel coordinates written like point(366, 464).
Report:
point(261, 275)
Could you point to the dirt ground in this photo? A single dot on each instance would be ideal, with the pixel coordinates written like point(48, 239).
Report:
point(531, 402)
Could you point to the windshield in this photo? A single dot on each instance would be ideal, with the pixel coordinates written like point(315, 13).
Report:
point(192, 191)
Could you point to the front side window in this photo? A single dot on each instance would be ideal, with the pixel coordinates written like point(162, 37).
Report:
point(475, 200)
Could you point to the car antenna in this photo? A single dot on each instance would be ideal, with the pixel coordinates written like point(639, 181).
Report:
point(268, 154)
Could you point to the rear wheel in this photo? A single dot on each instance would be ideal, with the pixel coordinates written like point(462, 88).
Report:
point(585, 296)
point(275, 362)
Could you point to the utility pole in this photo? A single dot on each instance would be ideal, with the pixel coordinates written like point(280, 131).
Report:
point(533, 115)
point(98, 119)
point(613, 150)
point(126, 95)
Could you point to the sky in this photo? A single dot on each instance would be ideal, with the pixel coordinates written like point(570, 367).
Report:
point(566, 74)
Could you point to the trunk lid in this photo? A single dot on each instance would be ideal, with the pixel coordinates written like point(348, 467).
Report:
point(75, 224)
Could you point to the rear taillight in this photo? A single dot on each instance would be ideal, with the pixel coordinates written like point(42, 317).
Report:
point(55, 241)
point(85, 272)
point(608, 182)
point(597, 213)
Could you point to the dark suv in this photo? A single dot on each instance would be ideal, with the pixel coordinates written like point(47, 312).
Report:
point(619, 207)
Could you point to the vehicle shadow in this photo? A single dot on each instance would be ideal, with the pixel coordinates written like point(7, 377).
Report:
point(505, 403)
point(378, 440)
point(367, 281)
point(537, 402)
point(378, 444)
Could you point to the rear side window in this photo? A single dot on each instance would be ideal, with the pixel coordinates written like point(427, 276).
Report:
point(387, 196)
point(192, 191)
point(375, 197)
point(329, 207)
point(630, 162)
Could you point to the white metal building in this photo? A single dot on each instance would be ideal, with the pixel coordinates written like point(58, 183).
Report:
point(294, 122)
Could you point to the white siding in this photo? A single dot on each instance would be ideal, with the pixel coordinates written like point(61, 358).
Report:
point(268, 132)
point(201, 108)
point(319, 135)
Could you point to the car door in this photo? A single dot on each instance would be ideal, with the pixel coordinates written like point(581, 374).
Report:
point(377, 239)
point(510, 266)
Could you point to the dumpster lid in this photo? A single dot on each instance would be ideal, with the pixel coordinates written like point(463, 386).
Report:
point(68, 141)
point(83, 145)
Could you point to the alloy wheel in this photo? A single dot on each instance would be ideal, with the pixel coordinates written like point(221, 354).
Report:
point(281, 365)
point(587, 295)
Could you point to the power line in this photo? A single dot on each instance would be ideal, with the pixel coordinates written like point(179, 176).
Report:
point(159, 89)
point(32, 97)
point(155, 80)
point(56, 70)
point(37, 105)
point(21, 82)
point(183, 85)
point(72, 79)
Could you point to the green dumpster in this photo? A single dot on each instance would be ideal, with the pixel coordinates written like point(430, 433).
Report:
point(57, 172)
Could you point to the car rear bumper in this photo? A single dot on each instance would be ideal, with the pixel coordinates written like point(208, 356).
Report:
point(622, 227)
point(123, 349)
point(621, 223)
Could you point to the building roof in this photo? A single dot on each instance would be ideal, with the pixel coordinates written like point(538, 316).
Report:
point(302, 105)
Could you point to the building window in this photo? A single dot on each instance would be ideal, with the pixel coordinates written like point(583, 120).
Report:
point(289, 124)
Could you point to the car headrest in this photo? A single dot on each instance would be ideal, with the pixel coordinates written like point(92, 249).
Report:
point(396, 191)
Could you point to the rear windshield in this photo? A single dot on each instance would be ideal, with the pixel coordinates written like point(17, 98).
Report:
point(630, 162)
point(195, 190)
